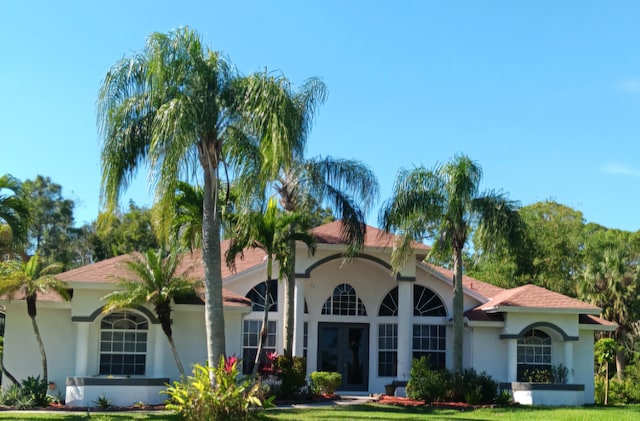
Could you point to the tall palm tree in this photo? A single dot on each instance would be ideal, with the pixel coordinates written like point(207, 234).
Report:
point(271, 232)
point(348, 187)
point(153, 281)
point(611, 283)
point(181, 108)
point(31, 279)
point(445, 205)
point(14, 210)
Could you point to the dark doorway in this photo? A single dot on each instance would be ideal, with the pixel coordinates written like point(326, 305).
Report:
point(344, 347)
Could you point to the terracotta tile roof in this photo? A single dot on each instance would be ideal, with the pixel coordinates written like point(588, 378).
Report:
point(532, 296)
point(331, 234)
point(482, 288)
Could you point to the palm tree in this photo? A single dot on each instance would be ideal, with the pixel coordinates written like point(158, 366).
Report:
point(444, 204)
point(153, 281)
point(31, 279)
point(181, 108)
point(271, 232)
point(348, 187)
point(611, 282)
point(14, 210)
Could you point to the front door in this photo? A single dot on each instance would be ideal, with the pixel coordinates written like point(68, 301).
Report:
point(344, 347)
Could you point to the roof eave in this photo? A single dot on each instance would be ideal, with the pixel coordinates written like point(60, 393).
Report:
point(547, 310)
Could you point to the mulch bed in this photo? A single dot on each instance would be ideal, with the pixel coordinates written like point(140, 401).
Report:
point(58, 407)
point(397, 400)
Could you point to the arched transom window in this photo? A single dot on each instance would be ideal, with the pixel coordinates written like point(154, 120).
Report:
point(257, 295)
point(123, 343)
point(425, 303)
point(344, 302)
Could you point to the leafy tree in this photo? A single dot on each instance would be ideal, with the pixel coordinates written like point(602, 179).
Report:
point(116, 234)
point(183, 109)
point(14, 210)
point(154, 280)
point(271, 232)
point(52, 220)
point(444, 204)
point(31, 279)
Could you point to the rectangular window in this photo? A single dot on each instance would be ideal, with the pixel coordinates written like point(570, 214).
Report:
point(250, 336)
point(430, 341)
point(123, 344)
point(387, 350)
point(305, 339)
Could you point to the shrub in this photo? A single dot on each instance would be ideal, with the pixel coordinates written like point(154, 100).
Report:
point(36, 389)
point(102, 402)
point(433, 386)
point(229, 398)
point(293, 373)
point(424, 383)
point(15, 397)
point(325, 382)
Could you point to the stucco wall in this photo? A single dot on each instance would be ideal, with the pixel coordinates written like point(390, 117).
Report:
point(583, 361)
point(489, 353)
point(21, 352)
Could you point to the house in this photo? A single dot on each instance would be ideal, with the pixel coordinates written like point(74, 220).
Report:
point(353, 317)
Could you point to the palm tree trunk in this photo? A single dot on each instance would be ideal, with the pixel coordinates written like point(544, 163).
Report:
point(174, 350)
point(606, 385)
point(43, 354)
point(6, 373)
point(265, 320)
point(289, 309)
point(620, 363)
point(214, 314)
point(458, 310)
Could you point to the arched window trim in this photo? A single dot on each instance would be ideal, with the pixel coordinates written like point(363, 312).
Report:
point(344, 301)
point(429, 305)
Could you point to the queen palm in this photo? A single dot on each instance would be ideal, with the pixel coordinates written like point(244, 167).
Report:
point(154, 280)
point(348, 186)
point(444, 204)
point(30, 279)
point(14, 210)
point(271, 232)
point(181, 108)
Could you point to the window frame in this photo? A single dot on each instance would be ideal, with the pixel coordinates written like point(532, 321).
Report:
point(117, 356)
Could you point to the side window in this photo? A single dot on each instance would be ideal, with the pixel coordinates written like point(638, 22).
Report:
point(123, 344)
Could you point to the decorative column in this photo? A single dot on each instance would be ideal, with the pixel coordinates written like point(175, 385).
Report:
point(568, 360)
point(82, 348)
point(298, 324)
point(405, 328)
point(512, 360)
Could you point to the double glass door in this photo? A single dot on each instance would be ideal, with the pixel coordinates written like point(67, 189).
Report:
point(344, 348)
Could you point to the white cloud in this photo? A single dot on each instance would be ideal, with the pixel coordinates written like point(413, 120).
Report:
point(620, 169)
point(629, 85)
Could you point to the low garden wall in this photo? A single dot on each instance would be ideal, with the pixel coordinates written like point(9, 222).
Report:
point(548, 394)
point(122, 391)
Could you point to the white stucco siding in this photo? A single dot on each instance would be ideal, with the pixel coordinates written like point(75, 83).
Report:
point(515, 322)
point(87, 301)
point(21, 352)
point(489, 352)
point(583, 364)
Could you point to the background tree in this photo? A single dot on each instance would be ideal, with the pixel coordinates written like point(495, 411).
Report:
point(31, 278)
point(605, 351)
point(183, 109)
point(14, 211)
point(154, 280)
point(270, 231)
point(51, 221)
point(445, 205)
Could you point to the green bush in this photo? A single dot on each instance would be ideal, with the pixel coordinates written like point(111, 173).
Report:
point(230, 398)
point(36, 389)
point(293, 374)
point(620, 392)
point(15, 397)
point(433, 386)
point(325, 382)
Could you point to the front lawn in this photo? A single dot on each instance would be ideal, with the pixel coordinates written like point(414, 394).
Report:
point(372, 412)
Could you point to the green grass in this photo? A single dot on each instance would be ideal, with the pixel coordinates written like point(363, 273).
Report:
point(390, 412)
point(374, 412)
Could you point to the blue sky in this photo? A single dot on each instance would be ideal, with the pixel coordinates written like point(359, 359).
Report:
point(545, 95)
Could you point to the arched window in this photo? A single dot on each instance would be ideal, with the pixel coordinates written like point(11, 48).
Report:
point(344, 302)
point(123, 343)
point(425, 303)
point(534, 354)
point(256, 295)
